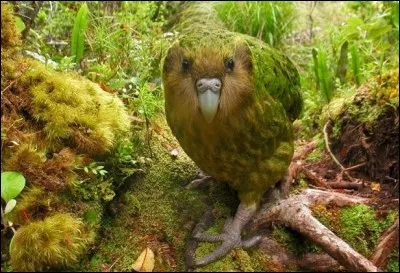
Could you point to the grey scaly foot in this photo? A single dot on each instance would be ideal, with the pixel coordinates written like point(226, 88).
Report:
point(230, 236)
point(203, 179)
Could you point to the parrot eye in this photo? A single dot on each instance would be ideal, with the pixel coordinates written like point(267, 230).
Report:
point(229, 65)
point(185, 65)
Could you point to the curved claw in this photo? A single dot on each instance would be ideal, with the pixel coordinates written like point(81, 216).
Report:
point(216, 254)
point(197, 182)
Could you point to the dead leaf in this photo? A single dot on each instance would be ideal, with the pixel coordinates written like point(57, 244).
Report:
point(145, 262)
point(376, 186)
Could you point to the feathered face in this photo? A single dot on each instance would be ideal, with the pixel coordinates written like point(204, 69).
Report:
point(207, 80)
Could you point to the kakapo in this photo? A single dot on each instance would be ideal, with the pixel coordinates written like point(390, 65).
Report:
point(230, 100)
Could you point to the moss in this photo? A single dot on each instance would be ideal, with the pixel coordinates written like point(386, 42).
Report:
point(319, 151)
point(53, 124)
point(158, 212)
point(294, 241)
point(55, 242)
point(393, 261)
point(244, 260)
point(298, 188)
point(10, 38)
point(50, 173)
point(367, 105)
point(74, 110)
point(361, 228)
point(328, 217)
point(33, 204)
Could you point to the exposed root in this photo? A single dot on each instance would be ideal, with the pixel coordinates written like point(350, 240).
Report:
point(294, 212)
point(280, 259)
point(326, 137)
point(386, 244)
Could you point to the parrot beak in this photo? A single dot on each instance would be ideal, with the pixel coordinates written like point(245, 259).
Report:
point(209, 92)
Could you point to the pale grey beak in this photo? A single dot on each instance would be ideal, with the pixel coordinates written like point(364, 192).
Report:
point(209, 92)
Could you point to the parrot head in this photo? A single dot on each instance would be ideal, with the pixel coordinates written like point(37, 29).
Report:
point(212, 80)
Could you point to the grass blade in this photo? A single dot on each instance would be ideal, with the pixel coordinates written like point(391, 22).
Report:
point(78, 33)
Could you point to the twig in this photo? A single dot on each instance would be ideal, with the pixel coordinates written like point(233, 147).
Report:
point(326, 137)
point(111, 266)
point(355, 166)
point(8, 86)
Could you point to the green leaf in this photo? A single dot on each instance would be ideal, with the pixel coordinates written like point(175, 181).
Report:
point(86, 169)
point(341, 70)
point(20, 24)
point(12, 246)
point(324, 76)
point(78, 33)
point(355, 63)
point(91, 216)
point(12, 183)
point(315, 60)
point(94, 171)
point(10, 206)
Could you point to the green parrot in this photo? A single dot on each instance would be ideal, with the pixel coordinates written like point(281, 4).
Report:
point(230, 100)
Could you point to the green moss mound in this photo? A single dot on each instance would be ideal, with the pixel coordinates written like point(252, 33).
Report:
point(60, 131)
point(70, 110)
point(54, 242)
point(358, 225)
point(365, 127)
point(10, 38)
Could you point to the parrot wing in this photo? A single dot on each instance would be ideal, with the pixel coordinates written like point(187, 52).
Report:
point(276, 74)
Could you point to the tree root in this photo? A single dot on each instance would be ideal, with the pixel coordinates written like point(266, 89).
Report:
point(294, 212)
point(280, 259)
point(326, 137)
point(386, 244)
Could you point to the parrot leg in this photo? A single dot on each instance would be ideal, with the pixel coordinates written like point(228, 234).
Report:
point(203, 179)
point(231, 235)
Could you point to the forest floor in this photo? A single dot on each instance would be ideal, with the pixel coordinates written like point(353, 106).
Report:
point(158, 212)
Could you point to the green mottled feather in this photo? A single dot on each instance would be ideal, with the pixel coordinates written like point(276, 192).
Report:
point(274, 72)
point(251, 148)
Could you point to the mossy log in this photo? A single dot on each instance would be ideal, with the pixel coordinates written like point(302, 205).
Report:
point(366, 128)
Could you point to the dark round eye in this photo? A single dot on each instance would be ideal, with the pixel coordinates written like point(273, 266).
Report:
point(185, 65)
point(229, 65)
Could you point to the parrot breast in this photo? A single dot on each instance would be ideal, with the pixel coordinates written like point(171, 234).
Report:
point(250, 149)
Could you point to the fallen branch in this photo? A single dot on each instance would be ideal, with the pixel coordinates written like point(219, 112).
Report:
point(345, 185)
point(304, 150)
point(313, 178)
